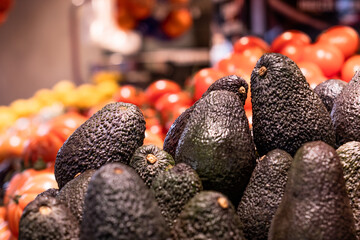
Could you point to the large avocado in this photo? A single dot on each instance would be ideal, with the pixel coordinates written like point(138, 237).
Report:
point(315, 204)
point(328, 91)
point(286, 111)
point(349, 154)
point(110, 135)
point(118, 205)
point(217, 144)
point(231, 83)
point(263, 194)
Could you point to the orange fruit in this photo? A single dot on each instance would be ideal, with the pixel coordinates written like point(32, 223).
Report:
point(349, 68)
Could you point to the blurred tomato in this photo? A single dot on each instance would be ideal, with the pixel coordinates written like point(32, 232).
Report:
point(349, 68)
point(124, 19)
point(248, 113)
point(290, 36)
point(5, 232)
point(140, 9)
point(312, 73)
point(168, 100)
point(177, 22)
point(130, 94)
point(247, 42)
point(203, 79)
point(171, 115)
point(158, 88)
point(293, 51)
point(152, 138)
point(5, 6)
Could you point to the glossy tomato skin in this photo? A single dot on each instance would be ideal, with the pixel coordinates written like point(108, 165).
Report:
point(160, 87)
point(130, 94)
point(312, 73)
point(203, 79)
point(247, 42)
point(349, 68)
point(170, 115)
point(291, 36)
point(168, 100)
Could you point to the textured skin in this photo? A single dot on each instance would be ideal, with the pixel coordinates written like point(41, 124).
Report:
point(230, 83)
point(174, 188)
point(315, 204)
point(349, 154)
point(217, 144)
point(263, 194)
point(110, 135)
point(59, 224)
point(328, 91)
point(346, 112)
point(204, 219)
point(51, 192)
point(118, 205)
point(286, 111)
point(147, 170)
point(73, 193)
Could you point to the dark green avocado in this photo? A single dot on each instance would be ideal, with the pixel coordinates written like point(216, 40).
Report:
point(173, 188)
point(110, 135)
point(217, 144)
point(149, 160)
point(47, 218)
point(263, 194)
point(328, 91)
point(315, 204)
point(118, 205)
point(51, 192)
point(231, 83)
point(286, 112)
point(208, 215)
point(349, 154)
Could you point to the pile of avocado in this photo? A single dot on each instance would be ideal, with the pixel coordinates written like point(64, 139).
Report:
point(294, 175)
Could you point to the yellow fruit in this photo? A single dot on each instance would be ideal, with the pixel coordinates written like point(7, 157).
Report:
point(45, 97)
point(25, 107)
point(106, 89)
point(87, 96)
point(107, 76)
point(7, 118)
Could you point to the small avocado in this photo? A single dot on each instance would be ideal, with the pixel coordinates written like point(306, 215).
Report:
point(173, 188)
point(263, 194)
point(346, 112)
point(217, 144)
point(73, 193)
point(47, 218)
point(328, 91)
point(231, 83)
point(208, 215)
point(149, 160)
point(286, 112)
point(315, 204)
point(51, 192)
point(118, 205)
point(349, 154)
point(110, 135)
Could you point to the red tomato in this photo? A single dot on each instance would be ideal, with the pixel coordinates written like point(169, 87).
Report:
point(349, 68)
point(344, 37)
point(248, 113)
point(123, 17)
point(152, 138)
point(167, 101)
point(247, 42)
point(293, 51)
point(4, 226)
point(177, 22)
point(158, 88)
point(172, 114)
point(140, 9)
point(312, 73)
point(130, 94)
point(203, 79)
point(293, 36)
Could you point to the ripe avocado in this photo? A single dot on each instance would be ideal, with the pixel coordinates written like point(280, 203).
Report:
point(208, 215)
point(349, 154)
point(231, 83)
point(217, 144)
point(263, 194)
point(346, 112)
point(149, 160)
point(47, 218)
point(286, 111)
point(118, 205)
point(328, 91)
point(110, 135)
point(315, 204)
point(173, 188)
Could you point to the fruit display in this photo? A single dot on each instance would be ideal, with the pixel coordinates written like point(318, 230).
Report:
point(262, 145)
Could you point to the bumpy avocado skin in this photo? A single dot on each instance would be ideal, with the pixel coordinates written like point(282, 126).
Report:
point(217, 144)
point(328, 91)
point(118, 205)
point(286, 111)
point(73, 193)
point(146, 169)
point(263, 194)
point(231, 83)
point(315, 204)
point(205, 218)
point(349, 154)
point(173, 188)
point(58, 224)
point(346, 112)
point(110, 135)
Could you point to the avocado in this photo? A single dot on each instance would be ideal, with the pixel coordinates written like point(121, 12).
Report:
point(110, 135)
point(349, 154)
point(149, 160)
point(208, 215)
point(51, 192)
point(263, 194)
point(231, 83)
point(47, 218)
point(118, 205)
point(286, 112)
point(315, 204)
point(346, 112)
point(73, 193)
point(217, 144)
point(328, 91)
point(173, 188)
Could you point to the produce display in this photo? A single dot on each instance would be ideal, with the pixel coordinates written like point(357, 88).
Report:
point(262, 145)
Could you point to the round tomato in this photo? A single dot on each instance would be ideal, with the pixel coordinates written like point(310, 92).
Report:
point(158, 88)
point(349, 68)
point(153, 138)
point(293, 51)
point(294, 36)
point(312, 73)
point(247, 42)
point(177, 22)
point(167, 101)
point(4, 226)
point(203, 79)
point(140, 9)
point(172, 114)
point(130, 94)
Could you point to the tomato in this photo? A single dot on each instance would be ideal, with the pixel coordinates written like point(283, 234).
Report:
point(248, 113)
point(203, 79)
point(344, 37)
point(140, 9)
point(4, 226)
point(293, 51)
point(247, 42)
point(349, 68)
point(158, 88)
point(312, 73)
point(130, 94)
point(168, 100)
point(172, 114)
point(293, 36)
point(177, 22)
point(124, 19)
point(152, 138)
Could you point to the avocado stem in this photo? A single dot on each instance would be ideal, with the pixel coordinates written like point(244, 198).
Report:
point(45, 210)
point(223, 202)
point(118, 171)
point(242, 90)
point(151, 158)
point(262, 71)
point(77, 174)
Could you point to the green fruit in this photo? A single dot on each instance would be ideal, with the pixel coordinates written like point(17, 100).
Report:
point(328, 91)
